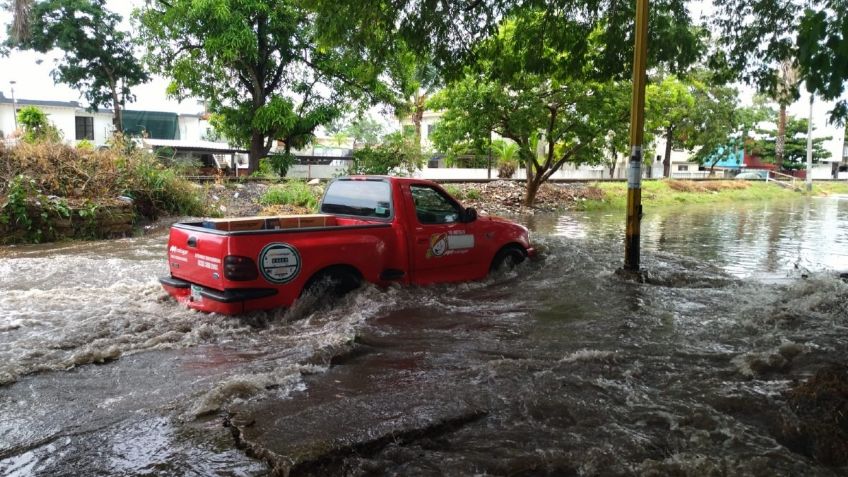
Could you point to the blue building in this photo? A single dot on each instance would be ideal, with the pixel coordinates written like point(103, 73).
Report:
point(731, 157)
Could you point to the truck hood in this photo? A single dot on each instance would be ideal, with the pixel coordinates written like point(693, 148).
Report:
point(495, 218)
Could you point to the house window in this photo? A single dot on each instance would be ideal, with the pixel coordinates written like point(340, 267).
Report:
point(431, 128)
point(682, 168)
point(85, 127)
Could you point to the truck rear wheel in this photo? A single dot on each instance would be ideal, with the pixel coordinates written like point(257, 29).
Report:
point(333, 281)
point(507, 258)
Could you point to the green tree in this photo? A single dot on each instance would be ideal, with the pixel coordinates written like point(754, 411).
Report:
point(695, 113)
point(364, 130)
point(449, 32)
point(397, 154)
point(262, 66)
point(749, 117)
point(419, 80)
point(614, 145)
point(569, 115)
point(795, 152)
point(669, 105)
point(756, 38)
point(98, 58)
point(715, 122)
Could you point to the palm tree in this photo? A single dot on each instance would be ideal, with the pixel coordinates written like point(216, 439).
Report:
point(20, 17)
point(507, 153)
point(787, 85)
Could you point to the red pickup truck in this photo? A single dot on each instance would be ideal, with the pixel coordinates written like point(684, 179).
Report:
point(376, 229)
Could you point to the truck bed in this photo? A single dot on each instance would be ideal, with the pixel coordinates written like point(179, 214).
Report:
point(279, 224)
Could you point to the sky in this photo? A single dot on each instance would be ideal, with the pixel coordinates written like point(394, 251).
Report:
point(31, 71)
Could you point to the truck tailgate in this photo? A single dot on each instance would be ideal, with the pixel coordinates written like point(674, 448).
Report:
point(197, 256)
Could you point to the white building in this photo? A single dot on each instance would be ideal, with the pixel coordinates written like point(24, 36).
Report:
point(72, 120)
point(75, 123)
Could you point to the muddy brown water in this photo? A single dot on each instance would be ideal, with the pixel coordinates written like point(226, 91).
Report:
point(557, 368)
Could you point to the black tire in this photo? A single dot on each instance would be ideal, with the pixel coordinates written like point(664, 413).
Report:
point(334, 282)
point(507, 258)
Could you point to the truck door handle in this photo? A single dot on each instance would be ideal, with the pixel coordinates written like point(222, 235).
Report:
point(192, 242)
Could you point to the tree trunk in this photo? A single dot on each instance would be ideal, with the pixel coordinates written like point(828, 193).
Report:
point(530, 180)
point(258, 150)
point(417, 116)
point(669, 132)
point(532, 190)
point(117, 116)
point(780, 143)
point(614, 157)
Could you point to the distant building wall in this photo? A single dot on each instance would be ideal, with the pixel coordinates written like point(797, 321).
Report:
point(98, 124)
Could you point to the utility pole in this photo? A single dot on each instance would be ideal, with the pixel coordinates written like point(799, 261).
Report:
point(637, 132)
point(809, 179)
point(489, 159)
point(14, 104)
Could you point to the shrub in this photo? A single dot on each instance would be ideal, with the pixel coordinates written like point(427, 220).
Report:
point(81, 175)
point(265, 170)
point(454, 191)
point(85, 145)
point(156, 189)
point(291, 193)
point(36, 126)
point(281, 163)
point(507, 153)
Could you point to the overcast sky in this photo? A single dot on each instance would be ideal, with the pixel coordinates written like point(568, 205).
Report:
point(31, 71)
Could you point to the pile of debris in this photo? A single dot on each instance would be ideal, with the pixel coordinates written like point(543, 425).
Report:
point(493, 198)
point(507, 197)
point(236, 199)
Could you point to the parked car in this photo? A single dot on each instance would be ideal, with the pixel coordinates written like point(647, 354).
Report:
point(378, 229)
point(758, 175)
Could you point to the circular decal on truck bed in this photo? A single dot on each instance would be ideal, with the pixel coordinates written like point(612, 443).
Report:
point(279, 263)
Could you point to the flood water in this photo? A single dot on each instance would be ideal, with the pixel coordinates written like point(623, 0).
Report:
point(560, 367)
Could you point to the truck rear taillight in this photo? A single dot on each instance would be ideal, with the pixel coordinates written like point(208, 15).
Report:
point(239, 269)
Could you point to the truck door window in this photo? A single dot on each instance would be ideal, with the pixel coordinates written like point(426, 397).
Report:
point(362, 198)
point(432, 207)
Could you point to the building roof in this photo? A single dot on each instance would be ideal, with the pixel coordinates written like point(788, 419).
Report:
point(77, 105)
point(193, 146)
point(39, 102)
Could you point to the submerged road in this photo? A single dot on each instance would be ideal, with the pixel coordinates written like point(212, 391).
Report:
point(557, 368)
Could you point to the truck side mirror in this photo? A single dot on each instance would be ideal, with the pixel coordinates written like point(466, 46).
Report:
point(469, 215)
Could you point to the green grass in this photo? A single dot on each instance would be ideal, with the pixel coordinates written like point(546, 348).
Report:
point(454, 191)
point(291, 193)
point(658, 193)
point(828, 188)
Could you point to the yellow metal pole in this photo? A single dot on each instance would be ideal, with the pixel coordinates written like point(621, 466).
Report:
point(637, 131)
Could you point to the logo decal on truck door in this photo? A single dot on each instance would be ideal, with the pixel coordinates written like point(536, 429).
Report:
point(451, 243)
point(279, 263)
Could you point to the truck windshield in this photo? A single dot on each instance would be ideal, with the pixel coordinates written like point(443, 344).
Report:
point(363, 198)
